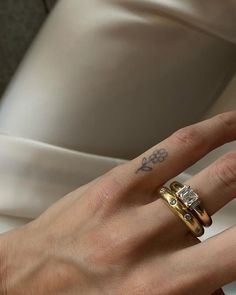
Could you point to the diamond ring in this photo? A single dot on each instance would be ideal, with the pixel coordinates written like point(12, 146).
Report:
point(182, 211)
point(192, 201)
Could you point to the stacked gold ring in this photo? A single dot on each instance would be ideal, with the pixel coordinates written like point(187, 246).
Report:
point(186, 204)
point(182, 211)
point(191, 200)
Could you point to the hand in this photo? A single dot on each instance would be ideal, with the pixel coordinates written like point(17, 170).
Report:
point(116, 236)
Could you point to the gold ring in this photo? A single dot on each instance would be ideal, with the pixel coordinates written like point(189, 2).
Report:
point(192, 201)
point(182, 211)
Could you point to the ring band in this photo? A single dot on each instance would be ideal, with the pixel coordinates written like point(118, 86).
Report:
point(182, 211)
point(192, 201)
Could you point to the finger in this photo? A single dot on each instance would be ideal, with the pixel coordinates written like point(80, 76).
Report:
point(173, 155)
point(216, 257)
point(181, 268)
point(215, 185)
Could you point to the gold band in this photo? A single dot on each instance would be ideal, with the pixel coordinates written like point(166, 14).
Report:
point(182, 211)
point(200, 212)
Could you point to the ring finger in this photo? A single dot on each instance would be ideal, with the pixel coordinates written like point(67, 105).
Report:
point(216, 186)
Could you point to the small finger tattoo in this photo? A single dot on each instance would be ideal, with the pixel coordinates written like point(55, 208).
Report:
point(157, 156)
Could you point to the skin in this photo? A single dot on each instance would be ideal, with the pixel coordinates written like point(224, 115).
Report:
point(116, 236)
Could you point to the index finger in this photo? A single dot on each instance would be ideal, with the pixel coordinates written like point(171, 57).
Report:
point(179, 151)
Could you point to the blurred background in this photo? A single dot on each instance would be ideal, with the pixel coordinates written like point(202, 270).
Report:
point(19, 23)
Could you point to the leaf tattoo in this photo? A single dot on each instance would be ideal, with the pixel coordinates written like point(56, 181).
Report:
point(157, 156)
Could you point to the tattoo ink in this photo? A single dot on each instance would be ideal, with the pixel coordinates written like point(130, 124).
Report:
point(157, 156)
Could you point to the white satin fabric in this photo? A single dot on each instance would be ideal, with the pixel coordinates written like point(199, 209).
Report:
point(114, 77)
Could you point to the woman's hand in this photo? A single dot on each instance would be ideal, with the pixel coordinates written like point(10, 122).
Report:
point(115, 236)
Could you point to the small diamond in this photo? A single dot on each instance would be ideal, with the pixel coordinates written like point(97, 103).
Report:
point(173, 201)
point(187, 217)
point(188, 197)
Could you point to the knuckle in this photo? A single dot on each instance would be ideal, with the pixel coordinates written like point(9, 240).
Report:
point(106, 193)
point(189, 137)
point(225, 170)
point(115, 180)
point(116, 172)
point(228, 119)
point(109, 185)
point(121, 176)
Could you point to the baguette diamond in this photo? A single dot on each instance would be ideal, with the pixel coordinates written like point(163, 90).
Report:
point(188, 197)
